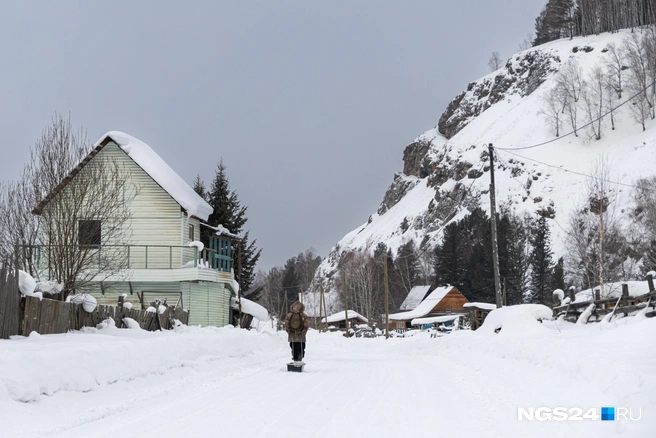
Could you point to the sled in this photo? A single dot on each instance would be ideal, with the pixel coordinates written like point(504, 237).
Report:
point(295, 368)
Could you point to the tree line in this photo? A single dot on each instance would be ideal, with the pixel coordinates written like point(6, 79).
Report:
point(570, 18)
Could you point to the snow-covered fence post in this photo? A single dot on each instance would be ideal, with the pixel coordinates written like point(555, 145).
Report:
point(572, 295)
point(650, 280)
point(597, 295)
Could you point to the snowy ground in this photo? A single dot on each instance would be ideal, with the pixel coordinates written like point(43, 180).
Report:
point(228, 382)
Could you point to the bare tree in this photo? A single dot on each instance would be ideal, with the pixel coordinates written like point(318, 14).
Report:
point(593, 100)
point(526, 43)
point(638, 79)
point(615, 66)
point(83, 209)
point(495, 62)
point(596, 242)
point(555, 102)
point(570, 83)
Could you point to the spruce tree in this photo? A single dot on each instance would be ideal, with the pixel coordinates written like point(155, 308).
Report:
point(228, 212)
point(558, 276)
point(541, 262)
point(199, 187)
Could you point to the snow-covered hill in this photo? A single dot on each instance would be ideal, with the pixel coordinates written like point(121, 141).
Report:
point(442, 177)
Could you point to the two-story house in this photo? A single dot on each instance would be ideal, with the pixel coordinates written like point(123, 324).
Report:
point(156, 258)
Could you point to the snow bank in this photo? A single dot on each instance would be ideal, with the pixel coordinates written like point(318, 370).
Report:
point(88, 302)
point(520, 320)
point(49, 287)
point(250, 307)
point(27, 285)
point(31, 367)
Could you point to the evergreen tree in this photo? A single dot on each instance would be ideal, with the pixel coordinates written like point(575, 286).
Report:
point(228, 212)
point(199, 187)
point(290, 282)
point(251, 255)
point(512, 260)
point(558, 276)
point(541, 262)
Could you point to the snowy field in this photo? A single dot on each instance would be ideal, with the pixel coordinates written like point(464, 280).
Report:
point(227, 382)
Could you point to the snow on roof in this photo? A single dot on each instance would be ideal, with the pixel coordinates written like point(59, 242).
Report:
point(250, 307)
point(159, 171)
point(339, 316)
point(311, 301)
point(425, 306)
point(614, 290)
point(434, 319)
point(415, 296)
point(486, 306)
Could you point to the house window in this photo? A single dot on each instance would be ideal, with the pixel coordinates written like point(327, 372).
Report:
point(191, 233)
point(89, 232)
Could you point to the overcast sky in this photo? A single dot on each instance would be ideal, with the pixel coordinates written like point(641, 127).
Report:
point(309, 103)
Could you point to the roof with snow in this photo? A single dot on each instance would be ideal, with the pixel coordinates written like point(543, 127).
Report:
point(484, 306)
point(434, 319)
point(153, 165)
point(251, 308)
point(415, 296)
point(339, 316)
point(425, 306)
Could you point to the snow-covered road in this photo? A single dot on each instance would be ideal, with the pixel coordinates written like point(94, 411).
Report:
point(227, 382)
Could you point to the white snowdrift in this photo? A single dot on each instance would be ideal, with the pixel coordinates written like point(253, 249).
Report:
point(521, 320)
point(84, 361)
point(27, 285)
point(250, 307)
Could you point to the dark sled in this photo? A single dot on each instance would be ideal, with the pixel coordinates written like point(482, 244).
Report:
point(295, 368)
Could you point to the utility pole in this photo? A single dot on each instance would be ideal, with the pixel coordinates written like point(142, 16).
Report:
point(386, 296)
point(493, 219)
point(239, 283)
point(322, 307)
point(601, 244)
point(345, 299)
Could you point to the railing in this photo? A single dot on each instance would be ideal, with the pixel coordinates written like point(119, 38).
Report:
point(103, 257)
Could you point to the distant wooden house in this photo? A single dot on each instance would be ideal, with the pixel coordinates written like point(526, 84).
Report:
point(338, 319)
point(441, 301)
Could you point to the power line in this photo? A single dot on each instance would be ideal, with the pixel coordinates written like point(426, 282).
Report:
point(566, 170)
point(582, 127)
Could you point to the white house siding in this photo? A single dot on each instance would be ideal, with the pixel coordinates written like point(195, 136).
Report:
point(156, 218)
point(209, 303)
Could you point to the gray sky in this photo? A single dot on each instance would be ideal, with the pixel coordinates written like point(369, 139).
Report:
point(309, 103)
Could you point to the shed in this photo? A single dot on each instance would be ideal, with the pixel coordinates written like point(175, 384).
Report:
point(478, 312)
point(441, 301)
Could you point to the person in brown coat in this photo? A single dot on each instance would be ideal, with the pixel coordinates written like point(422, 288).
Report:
point(297, 324)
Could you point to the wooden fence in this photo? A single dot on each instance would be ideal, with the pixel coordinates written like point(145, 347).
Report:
point(50, 317)
point(622, 305)
point(22, 316)
point(10, 301)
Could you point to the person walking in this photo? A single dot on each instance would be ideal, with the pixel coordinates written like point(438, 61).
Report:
point(297, 324)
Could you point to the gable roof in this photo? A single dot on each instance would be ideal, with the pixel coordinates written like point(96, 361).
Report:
point(415, 296)
point(425, 306)
point(339, 316)
point(152, 164)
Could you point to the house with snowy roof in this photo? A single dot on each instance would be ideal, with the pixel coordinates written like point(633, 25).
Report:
point(161, 256)
point(441, 301)
point(339, 319)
